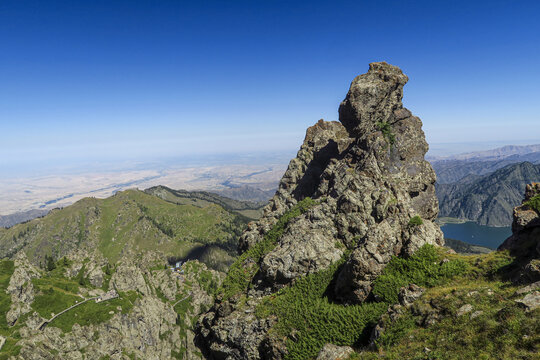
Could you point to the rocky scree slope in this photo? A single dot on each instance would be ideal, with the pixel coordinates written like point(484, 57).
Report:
point(358, 193)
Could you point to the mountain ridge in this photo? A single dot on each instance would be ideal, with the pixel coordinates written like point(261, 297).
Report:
point(489, 199)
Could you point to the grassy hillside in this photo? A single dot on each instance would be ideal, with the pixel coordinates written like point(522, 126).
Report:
point(203, 198)
point(476, 315)
point(469, 310)
point(128, 222)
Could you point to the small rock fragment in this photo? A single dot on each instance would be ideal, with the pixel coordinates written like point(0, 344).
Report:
point(467, 308)
point(334, 352)
point(530, 301)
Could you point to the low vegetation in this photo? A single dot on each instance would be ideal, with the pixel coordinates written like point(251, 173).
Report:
point(205, 278)
point(424, 268)
point(386, 129)
point(493, 327)
point(534, 203)
point(244, 268)
point(415, 221)
point(91, 313)
point(309, 318)
point(6, 270)
point(305, 311)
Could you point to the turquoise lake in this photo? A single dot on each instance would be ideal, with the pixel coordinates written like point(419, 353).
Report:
point(472, 233)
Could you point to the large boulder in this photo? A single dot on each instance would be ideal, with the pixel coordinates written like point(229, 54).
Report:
point(524, 243)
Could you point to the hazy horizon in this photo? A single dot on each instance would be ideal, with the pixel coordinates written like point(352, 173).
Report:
point(87, 82)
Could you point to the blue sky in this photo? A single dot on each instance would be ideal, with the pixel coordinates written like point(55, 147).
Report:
point(133, 79)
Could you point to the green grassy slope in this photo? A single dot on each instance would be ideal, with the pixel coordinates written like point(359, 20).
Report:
point(203, 198)
point(130, 221)
point(436, 326)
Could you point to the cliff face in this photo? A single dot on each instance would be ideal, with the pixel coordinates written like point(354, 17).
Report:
point(374, 198)
point(525, 240)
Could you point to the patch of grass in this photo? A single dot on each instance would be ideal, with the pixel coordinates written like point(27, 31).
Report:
point(182, 309)
point(7, 267)
point(386, 129)
point(108, 270)
point(91, 313)
point(500, 330)
point(424, 268)
point(10, 348)
point(415, 221)
point(67, 285)
point(52, 299)
point(309, 319)
point(496, 328)
point(180, 354)
point(534, 203)
point(396, 332)
point(244, 268)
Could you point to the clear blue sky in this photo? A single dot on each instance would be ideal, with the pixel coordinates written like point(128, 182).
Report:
point(163, 78)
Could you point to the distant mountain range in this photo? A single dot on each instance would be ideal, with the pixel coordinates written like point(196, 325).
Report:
point(487, 199)
point(129, 222)
point(493, 154)
point(19, 217)
point(248, 193)
point(450, 169)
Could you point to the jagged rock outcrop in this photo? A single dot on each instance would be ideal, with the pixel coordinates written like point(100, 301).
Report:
point(151, 329)
point(375, 197)
point(524, 243)
point(21, 288)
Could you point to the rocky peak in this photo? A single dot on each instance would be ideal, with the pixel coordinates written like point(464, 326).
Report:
point(373, 97)
point(374, 198)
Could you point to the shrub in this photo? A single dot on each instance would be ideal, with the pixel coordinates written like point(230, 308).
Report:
point(305, 309)
point(396, 330)
point(534, 203)
point(49, 263)
point(423, 269)
point(416, 221)
point(386, 129)
point(245, 267)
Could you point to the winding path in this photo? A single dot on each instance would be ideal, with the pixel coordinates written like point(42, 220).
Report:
point(181, 300)
point(46, 322)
